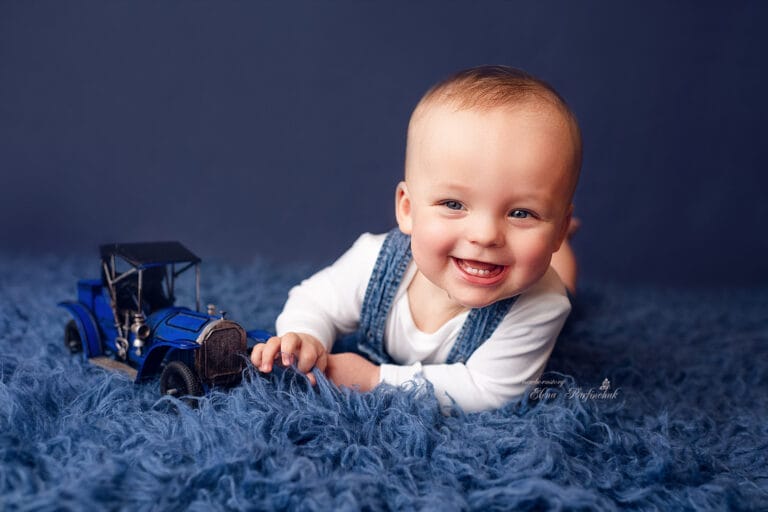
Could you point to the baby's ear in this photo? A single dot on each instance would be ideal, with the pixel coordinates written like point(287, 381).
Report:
point(565, 227)
point(403, 208)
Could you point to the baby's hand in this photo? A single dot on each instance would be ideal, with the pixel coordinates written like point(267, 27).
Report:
point(306, 349)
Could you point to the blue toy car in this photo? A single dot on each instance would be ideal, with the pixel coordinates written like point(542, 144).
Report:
point(127, 320)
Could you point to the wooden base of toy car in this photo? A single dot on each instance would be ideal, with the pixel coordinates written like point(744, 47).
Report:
point(110, 364)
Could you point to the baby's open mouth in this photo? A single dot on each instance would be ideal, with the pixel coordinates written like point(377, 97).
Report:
point(479, 268)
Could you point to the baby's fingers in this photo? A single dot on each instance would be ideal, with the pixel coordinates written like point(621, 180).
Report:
point(291, 344)
point(268, 352)
point(308, 358)
point(256, 354)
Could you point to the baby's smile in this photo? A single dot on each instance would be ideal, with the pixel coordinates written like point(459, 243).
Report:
point(479, 272)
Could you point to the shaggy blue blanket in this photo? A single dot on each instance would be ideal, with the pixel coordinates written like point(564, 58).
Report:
point(681, 422)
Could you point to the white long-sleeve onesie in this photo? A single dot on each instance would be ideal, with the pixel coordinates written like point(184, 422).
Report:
point(328, 305)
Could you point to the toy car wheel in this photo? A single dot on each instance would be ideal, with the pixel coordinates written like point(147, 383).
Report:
point(72, 338)
point(179, 380)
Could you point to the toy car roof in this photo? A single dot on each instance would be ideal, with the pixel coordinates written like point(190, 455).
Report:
point(149, 254)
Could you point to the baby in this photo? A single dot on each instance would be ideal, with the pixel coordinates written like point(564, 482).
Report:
point(466, 292)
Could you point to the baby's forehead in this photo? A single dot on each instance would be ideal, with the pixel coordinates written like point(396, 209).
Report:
point(433, 129)
point(431, 123)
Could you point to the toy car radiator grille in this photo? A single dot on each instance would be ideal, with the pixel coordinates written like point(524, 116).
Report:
point(222, 353)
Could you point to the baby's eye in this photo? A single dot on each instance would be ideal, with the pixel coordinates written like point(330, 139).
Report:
point(519, 214)
point(452, 205)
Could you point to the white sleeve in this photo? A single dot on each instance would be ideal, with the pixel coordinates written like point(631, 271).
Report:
point(501, 368)
point(328, 304)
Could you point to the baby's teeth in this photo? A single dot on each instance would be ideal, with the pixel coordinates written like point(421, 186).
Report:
point(476, 271)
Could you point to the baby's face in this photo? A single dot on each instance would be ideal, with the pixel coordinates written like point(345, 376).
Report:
point(486, 198)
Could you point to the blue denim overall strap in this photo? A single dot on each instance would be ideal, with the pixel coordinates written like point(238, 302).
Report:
point(391, 264)
point(393, 260)
point(478, 327)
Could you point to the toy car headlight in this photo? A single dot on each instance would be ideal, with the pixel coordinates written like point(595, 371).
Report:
point(143, 331)
point(140, 328)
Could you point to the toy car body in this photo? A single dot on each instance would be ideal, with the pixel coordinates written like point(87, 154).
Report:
point(127, 320)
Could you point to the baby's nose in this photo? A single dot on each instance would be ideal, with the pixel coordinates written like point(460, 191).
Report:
point(486, 232)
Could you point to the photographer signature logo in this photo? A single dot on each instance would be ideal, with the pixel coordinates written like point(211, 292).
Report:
point(550, 389)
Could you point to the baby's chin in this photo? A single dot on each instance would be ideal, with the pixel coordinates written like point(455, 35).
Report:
point(477, 300)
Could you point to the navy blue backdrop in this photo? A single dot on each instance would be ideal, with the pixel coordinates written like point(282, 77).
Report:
point(278, 128)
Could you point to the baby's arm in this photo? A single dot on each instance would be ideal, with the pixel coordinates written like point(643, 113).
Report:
point(353, 371)
point(321, 308)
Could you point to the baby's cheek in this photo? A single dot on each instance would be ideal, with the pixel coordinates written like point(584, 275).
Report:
point(437, 243)
point(429, 256)
point(535, 253)
point(433, 239)
point(423, 252)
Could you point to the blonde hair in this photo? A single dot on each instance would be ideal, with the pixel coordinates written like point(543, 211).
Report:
point(487, 87)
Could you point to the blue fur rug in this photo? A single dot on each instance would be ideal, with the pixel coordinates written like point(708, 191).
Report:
point(682, 423)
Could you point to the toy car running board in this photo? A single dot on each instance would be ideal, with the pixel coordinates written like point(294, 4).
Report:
point(110, 364)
